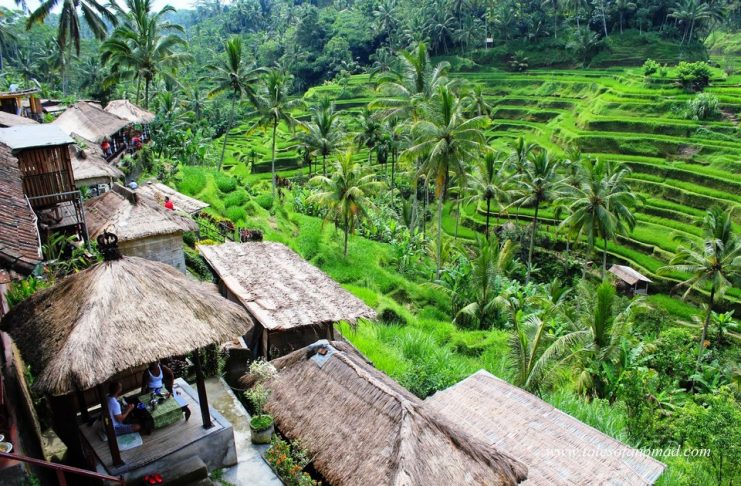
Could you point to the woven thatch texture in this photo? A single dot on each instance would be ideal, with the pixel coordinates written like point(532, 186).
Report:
point(90, 122)
point(155, 192)
point(279, 288)
point(362, 428)
point(88, 165)
point(557, 448)
point(628, 275)
point(20, 248)
point(131, 221)
point(129, 111)
point(114, 316)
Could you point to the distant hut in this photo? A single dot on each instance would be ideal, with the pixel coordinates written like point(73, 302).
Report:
point(156, 192)
point(93, 124)
point(11, 120)
point(557, 449)
point(361, 427)
point(21, 102)
point(630, 281)
point(293, 302)
point(129, 111)
point(143, 229)
point(91, 169)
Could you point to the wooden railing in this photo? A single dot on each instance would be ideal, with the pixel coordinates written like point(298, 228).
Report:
point(61, 470)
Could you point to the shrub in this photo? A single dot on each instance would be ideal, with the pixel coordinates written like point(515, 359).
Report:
point(704, 106)
point(518, 62)
point(189, 238)
point(265, 201)
point(236, 214)
point(197, 264)
point(289, 461)
point(650, 67)
point(693, 76)
point(193, 181)
point(236, 198)
point(225, 183)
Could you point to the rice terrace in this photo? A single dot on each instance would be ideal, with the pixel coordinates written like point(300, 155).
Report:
point(264, 242)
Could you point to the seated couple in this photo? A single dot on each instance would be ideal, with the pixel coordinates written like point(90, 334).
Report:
point(125, 418)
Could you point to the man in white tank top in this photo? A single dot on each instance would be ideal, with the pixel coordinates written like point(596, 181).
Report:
point(158, 376)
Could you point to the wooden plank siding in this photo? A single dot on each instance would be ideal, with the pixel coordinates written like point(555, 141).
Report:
point(47, 171)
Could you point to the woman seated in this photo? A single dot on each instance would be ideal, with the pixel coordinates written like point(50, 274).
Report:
point(120, 415)
point(159, 376)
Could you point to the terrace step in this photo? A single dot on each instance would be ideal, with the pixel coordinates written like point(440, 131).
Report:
point(186, 472)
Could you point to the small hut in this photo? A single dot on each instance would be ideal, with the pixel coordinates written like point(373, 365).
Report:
point(630, 281)
point(91, 170)
point(129, 111)
point(120, 314)
point(23, 102)
point(361, 427)
point(93, 124)
point(155, 192)
point(556, 448)
point(143, 229)
point(293, 302)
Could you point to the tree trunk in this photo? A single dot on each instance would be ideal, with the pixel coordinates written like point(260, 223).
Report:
point(324, 165)
point(138, 89)
point(347, 231)
point(393, 165)
point(439, 234)
point(488, 209)
point(532, 242)
point(226, 134)
point(272, 164)
point(705, 325)
point(604, 20)
point(147, 81)
point(604, 259)
point(457, 217)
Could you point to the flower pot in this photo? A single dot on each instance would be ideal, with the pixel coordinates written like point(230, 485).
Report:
point(264, 433)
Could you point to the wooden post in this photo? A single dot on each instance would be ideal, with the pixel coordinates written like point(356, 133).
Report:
point(82, 405)
point(265, 344)
point(201, 385)
point(108, 424)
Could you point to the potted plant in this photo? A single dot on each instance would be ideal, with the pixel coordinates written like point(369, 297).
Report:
point(261, 424)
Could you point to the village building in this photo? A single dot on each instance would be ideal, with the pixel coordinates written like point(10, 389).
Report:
point(156, 192)
point(11, 120)
point(361, 427)
point(292, 302)
point(21, 102)
point(143, 229)
point(92, 170)
point(557, 449)
point(629, 280)
point(129, 111)
point(94, 125)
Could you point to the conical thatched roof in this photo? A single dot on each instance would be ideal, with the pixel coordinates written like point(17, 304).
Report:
point(129, 111)
point(114, 316)
point(89, 121)
point(362, 428)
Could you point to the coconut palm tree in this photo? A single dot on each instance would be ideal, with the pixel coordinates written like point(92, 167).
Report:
point(93, 12)
point(274, 106)
point(688, 13)
point(386, 15)
point(324, 132)
point(8, 39)
point(491, 181)
point(369, 135)
point(142, 47)
point(233, 76)
point(599, 204)
point(345, 194)
point(539, 182)
point(716, 262)
point(445, 141)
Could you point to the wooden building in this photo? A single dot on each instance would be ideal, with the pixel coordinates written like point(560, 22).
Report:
point(144, 229)
point(92, 170)
point(24, 103)
point(629, 280)
point(91, 123)
point(43, 153)
point(292, 302)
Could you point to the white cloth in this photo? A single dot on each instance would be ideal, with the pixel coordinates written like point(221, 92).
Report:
point(114, 408)
point(154, 382)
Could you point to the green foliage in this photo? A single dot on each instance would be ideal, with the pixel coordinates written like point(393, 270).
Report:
point(236, 198)
point(704, 106)
point(265, 201)
point(192, 181)
point(236, 214)
point(693, 76)
point(225, 183)
point(289, 461)
point(259, 423)
point(650, 67)
point(190, 238)
point(20, 290)
point(196, 264)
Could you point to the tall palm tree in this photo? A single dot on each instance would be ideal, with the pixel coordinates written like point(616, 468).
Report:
point(599, 205)
point(345, 194)
point(688, 13)
point(324, 132)
point(369, 135)
point(232, 75)
point(274, 106)
point(490, 181)
point(93, 12)
point(8, 39)
point(142, 47)
point(539, 182)
point(715, 262)
point(445, 141)
point(386, 15)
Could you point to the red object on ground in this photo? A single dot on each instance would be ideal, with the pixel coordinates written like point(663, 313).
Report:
point(169, 205)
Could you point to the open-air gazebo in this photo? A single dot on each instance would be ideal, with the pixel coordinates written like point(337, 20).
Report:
point(98, 324)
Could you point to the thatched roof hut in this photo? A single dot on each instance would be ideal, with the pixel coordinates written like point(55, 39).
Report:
point(90, 168)
point(144, 229)
point(11, 120)
point(557, 448)
point(293, 302)
point(155, 192)
point(114, 316)
point(361, 427)
point(129, 111)
point(90, 122)
point(630, 279)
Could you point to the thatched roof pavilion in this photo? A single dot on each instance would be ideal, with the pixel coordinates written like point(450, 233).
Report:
point(155, 192)
point(90, 168)
point(90, 122)
point(630, 279)
point(557, 448)
point(129, 111)
point(361, 427)
point(293, 302)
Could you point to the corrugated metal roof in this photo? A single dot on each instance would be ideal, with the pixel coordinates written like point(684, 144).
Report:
point(33, 136)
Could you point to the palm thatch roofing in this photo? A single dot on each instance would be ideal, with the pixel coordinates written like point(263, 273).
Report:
point(557, 448)
point(88, 121)
point(130, 217)
point(156, 192)
point(129, 111)
point(11, 120)
point(89, 165)
point(114, 316)
point(20, 247)
point(361, 427)
point(628, 275)
point(281, 289)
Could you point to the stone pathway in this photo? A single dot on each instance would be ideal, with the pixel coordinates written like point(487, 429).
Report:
point(251, 470)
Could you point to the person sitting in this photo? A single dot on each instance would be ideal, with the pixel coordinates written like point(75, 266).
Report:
point(168, 204)
point(158, 376)
point(120, 414)
point(106, 146)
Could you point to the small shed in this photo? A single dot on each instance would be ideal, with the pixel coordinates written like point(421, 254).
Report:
point(155, 192)
point(630, 280)
point(557, 449)
point(143, 229)
point(91, 169)
point(361, 427)
point(21, 102)
point(129, 111)
point(293, 302)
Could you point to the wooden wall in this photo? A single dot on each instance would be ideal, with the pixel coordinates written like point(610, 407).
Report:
point(46, 171)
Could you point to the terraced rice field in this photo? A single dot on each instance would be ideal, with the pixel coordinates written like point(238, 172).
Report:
point(680, 166)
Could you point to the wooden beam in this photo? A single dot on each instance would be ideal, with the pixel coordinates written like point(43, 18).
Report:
point(201, 385)
point(82, 405)
point(108, 424)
